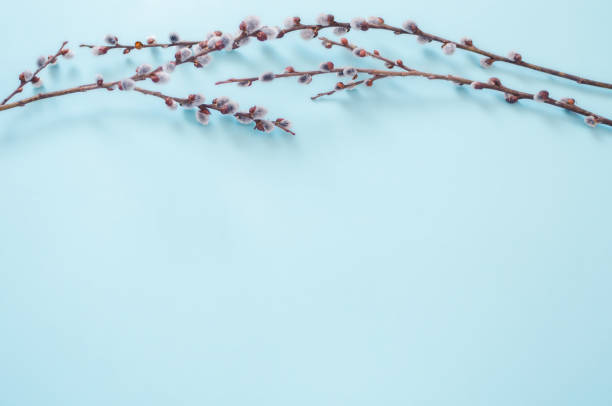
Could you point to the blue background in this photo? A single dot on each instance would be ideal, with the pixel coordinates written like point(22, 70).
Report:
point(415, 243)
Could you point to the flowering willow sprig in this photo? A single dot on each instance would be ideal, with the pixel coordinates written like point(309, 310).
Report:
point(448, 47)
point(251, 27)
point(224, 105)
point(42, 62)
point(511, 95)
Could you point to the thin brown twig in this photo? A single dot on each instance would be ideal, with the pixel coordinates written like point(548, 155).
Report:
point(213, 106)
point(413, 29)
point(50, 59)
point(512, 95)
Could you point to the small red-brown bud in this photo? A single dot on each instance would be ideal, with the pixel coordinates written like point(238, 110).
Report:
point(22, 77)
point(261, 36)
point(494, 81)
point(344, 41)
point(252, 109)
point(369, 82)
point(138, 45)
point(20, 90)
point(362, 53)
point(65, 51)
point(151, 40)
point(191, 98)
point(510, 98)
point(196, 63)
point(339, 86)
point(169, 101)
point(330, 65)
point(376, 52)
point(399, 62)
point(328, 45)
point(242, 26)
point(126, 51)
point(289, 69)
point(203, 109)
point(177, 55)
point(35, 79)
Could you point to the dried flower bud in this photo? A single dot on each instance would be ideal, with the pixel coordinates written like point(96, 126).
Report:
point(360, 52)
point(515, 56)
point(26, 76)
point(261, 36)
point(36, 82)
point(243, 118)
point(591, 121)
point(340, 31)
point(510, 98)
point(160, 77)
point(251, 24)
point(151, 39)
point(289, 69)
point(449, 48)
point(286, 124)
point(326, 66)
point(344, 41)
point(169, 67)
point(111, 39)
point(494, 81)
point(267, 77)
point(144, 69)
point(174, 37)
point(568, 100)
point(467, 41)
point(339, 86)
point(325, 19)
point(204, 59)
point(369, 83)
point(138, 45)
point(202, 117)
point(477, 85)
point(68, 53)
point(230, 107)
point(271, 32)
point(99, 50)
point(291, 22)
point(541, 96)
point(127, 84)
point(99, 79)
point(349, 71)
point(183, 54)
point(359, 23)
point(258, 112)
point(486, 62)
point(305, 79)
point(171, 103)
point(410, 26)
point(265, 126)
point(307, 34)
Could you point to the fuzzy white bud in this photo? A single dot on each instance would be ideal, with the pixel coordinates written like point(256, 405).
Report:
point(307, 34)
point(449, 48)
point(252, 24)
point(590, 121)
point(202, 117)
point(267, 77)
point(410, 26)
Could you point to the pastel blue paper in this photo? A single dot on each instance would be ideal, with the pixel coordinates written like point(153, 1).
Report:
point(415, 244)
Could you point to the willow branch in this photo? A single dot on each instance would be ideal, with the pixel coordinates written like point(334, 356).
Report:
point(494, 84)
point(23, 81)
point(377, 23)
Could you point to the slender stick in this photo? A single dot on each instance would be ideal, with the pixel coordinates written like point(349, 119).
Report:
point(412, 29)
point(490, 56)
point(214, 106)
point(49, 60)
point(512, 95)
